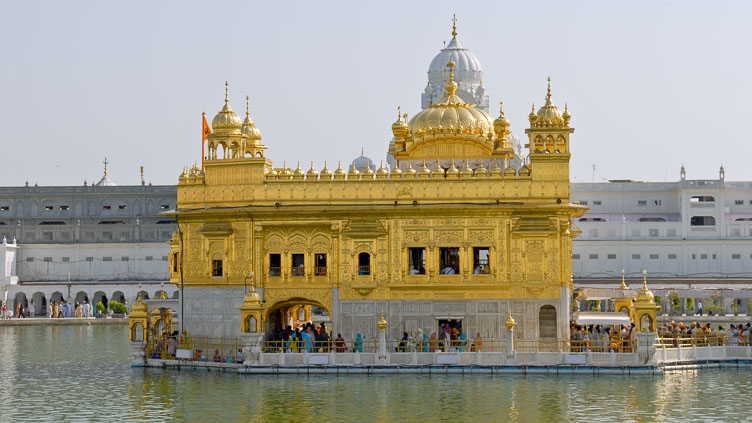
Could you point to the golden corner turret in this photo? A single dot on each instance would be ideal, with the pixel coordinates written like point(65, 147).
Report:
point(645, 308)
point(138, 319)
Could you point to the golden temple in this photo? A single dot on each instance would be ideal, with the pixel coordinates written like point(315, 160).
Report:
point(452, 231)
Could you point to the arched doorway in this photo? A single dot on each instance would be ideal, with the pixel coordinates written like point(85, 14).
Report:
point(100, 297)
point(547, 328)
point(40, 304)
point(295, 313)
point(82, 297)
point(118, 296)
point(56, 297)
point(20, 299)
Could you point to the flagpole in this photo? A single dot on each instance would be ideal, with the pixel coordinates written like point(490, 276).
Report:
point(203, 138)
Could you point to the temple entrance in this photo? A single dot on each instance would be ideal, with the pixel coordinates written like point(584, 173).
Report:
point(286, 318)
point(547, 328)
point(448, 332)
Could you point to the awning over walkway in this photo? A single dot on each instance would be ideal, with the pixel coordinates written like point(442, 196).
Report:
point(604, 293)
point(600, 318)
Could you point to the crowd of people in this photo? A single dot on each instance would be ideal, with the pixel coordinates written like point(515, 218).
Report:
point(697, 334)
point(597, 338)
point(53, 310)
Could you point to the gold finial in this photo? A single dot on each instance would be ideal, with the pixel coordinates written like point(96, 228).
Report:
point(247, 107)
point(105, 166)
point(644, 279)
point(533, 108)
point(405, 117)
point(548, 94)
point(623, 283)
point(226, 97)
point(501, 108)
point(454, 25)
point(399, 115)
point(451, 86)
point(510, 323)
point(284, 164)
point(382, 322)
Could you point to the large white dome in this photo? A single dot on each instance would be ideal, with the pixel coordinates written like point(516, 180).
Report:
point(468, 74)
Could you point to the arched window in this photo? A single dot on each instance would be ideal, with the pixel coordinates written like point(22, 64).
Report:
point(137, 334)
point(364, 264)
point(175, 262)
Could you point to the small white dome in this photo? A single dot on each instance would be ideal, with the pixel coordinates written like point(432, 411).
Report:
point(361, 163)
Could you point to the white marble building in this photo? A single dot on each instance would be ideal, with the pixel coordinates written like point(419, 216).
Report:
point(87, 242)
point(690, 231)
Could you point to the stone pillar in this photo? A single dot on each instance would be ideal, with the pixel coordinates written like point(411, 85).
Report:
point(646, 346)
point(382, 324)
point(252, 348)
point(510, 324)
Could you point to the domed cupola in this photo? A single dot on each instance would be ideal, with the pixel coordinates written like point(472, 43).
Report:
point(399, 128)
point(249, 129)
point(226, 121)
point(469, 74)
point(362, 163)
point(451, 114)
point(549, 114)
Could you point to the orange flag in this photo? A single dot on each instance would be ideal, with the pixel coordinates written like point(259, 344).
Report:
point(205, 132)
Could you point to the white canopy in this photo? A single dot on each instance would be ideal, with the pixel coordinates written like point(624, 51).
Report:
point(601, 318)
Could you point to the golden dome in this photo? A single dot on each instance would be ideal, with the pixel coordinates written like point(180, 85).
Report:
point(312, 173)
point(272, 174)
point(645, 295)
point(339, 173)
point(285, 173)
point(410, 171)
point(226, 121)
point(481, 171)
point(501, 123)
point(354, 172)
point(298, 173)
point(367, 172)
point(397, 172)
point(549, 113)
point(252, 297)
point(467, 171)
point(249, 129)
point(438, 171)
point(399, 128)
point(510, 171)
point(381, 172)
point(453, 171)
point(451, 114)
point(424, 171)
point(524, 170)
point(325, 172)
point(139, 305)
point(495, 169)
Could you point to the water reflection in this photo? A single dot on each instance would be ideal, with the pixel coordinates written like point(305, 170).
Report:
point(82, 373)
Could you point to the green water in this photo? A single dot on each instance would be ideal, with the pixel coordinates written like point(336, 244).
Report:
point(83, 374)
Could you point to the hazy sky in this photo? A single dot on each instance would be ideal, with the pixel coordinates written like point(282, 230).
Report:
point(651, 85)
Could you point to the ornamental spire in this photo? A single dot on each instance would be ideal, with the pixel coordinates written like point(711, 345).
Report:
point(226, 92)
point(451, 86)
point(247, 108)
point(548, 93)
point(454, 25)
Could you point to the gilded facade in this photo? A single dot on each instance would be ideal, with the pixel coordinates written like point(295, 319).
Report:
point(452, 231)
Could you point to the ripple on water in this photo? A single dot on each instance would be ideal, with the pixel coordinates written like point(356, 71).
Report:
point(82, 373)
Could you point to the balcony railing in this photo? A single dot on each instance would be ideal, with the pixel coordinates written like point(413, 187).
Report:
point(364, 270)
point(319, 271)
point(275, 271)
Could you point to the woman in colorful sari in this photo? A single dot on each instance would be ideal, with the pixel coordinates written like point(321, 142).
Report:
point(424, 344)
point(307, 339)
point(358, 344)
